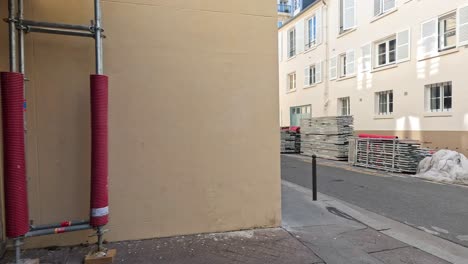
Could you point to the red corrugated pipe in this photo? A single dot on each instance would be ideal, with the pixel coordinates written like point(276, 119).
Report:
point(377, 136)
point(99, 155)
point(15, 186)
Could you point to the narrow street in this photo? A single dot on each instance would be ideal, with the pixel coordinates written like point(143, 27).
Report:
point(439, 209)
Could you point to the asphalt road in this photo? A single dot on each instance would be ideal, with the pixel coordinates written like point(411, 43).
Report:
point(441, 210)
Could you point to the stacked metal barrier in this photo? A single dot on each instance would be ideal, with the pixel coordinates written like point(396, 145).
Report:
point(392, 155)
point(326, 137)
point(290, 142)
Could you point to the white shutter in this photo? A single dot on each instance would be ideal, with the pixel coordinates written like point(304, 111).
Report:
point(462, 26)
point(388, 5)
point(280, 46)
point(306, 32)
point(377, 7)
point(350, 62)
point(333, 68)
point(349, 14)
point(366, 60)
point(318, 72)
point(429, 38)
point(307, 76)
point(300, 36)
point(403, 48)
point(319, 30)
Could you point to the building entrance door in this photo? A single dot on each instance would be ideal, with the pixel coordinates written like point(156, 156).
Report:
point(298, 113)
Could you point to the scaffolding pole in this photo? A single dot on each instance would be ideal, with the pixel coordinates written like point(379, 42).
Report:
point(98, 36)
point(18, 27)
point(12, 35)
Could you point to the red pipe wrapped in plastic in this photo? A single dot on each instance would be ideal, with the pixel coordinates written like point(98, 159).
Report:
point(15, 185)
point(99, 155)
point(377, 136)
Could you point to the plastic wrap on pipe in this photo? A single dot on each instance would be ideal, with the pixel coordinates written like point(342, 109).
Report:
point(99, 156)
point(14, 164)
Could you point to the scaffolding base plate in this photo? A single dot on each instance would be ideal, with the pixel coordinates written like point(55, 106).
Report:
point(93, 258)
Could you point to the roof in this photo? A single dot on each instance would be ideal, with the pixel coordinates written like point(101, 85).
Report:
point(312, 4)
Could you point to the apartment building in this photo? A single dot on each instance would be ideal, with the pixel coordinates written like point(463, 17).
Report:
point(397, 66)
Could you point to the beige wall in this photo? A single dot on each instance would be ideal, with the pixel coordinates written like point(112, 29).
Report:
point(188, 82)
point(407, 80)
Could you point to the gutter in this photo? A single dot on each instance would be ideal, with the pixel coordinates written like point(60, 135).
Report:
point(327, 56)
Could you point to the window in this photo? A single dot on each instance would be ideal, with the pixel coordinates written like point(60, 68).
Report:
point(310, 75)
point(291, 43)
point(383, 6)
point(439, 97)
point(386, 52)
point(441, 33)
point(448, 31)
point(296, 5)
point(343, 64)
point(346, 64)
point(311, 32)
point(292, 81)
point(344, 106)
point(384, 103)
point(347, 15)
point(313, 74)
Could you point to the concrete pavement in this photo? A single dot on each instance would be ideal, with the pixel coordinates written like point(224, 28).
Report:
point(438, 209)
point(337, 237)
point(313, 233)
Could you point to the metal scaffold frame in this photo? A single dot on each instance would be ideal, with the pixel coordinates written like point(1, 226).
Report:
point(18, 28)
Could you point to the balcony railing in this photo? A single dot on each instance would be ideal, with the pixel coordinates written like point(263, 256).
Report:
point(283, 8)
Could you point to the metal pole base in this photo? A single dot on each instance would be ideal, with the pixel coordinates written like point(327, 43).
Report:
point(18, 259)
point(101, 257)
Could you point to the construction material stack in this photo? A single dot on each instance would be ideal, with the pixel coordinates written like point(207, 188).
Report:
point(290, 142)
point(327, 137)
point(386, 154)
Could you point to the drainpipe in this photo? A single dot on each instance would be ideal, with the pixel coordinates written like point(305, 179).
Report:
point(327, 60)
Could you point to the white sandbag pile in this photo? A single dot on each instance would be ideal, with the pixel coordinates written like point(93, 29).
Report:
point(444, 166)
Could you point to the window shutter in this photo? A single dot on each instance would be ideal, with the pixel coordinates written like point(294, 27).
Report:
point(462, 26)
point(333, 68)
point(319, 30)
point(388, 4)
point(306, 32)
point(366, 61)
point(300, 36)
point(350, 62)
point(427, 95)
point(403, 49)
point(429, 38)
point(377, 7)
point(349, 14)
point(280, 46)
point(318, 72)
point(307, 76)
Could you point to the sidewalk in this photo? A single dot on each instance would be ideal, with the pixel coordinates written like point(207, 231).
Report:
point(337, 237)
point(312, 233)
